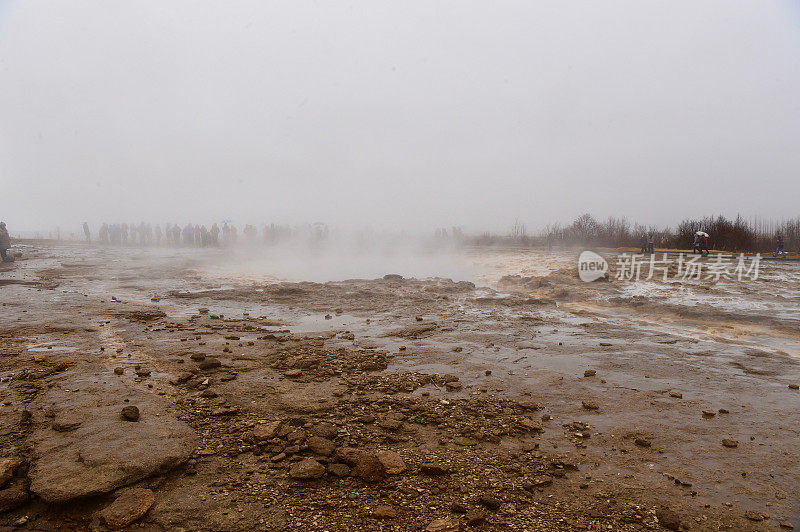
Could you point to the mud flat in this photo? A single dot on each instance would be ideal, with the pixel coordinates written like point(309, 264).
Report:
point(139, 390)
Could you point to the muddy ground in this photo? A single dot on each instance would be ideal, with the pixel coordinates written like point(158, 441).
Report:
point(521, 399)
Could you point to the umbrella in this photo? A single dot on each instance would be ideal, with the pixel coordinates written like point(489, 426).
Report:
point(702, 233)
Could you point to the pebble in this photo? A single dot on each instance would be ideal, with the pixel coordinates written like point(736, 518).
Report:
point(130, 413)
point(433, 469)
point(590, 405)
point(369, 468)
point(306, 469)
point(730, 443)
point(392, 462)
point(589, 373)
point(446, 524)
point(489, 502)
point(131, 505)
point(384, 511)
point(119, 371)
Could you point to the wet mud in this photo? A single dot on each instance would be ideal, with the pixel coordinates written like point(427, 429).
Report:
point(514, 398)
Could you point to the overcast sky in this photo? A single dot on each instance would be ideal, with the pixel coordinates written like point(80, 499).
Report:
point(402, 113)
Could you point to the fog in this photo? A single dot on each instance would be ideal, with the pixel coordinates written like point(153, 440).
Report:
point(396, 115)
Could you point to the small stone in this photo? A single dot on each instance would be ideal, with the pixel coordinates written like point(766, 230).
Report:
point(339, 470)
point(676, 395)
point(753, 515)
point(321, 446)
point(530, 425)
point(794, 386)
point(542, 481)
point(446, 524)
point(131, 505)
point(433, 469)
point(730, 443)
point(197, 357)
point(369, 468)
point(293, 373)
point(209, 363)
point(668, 519)
point(326, 430)
point(267, 431)
point(65, 425)
point(724, 411)
point(181, 378)
point(458, 508)
point(118, 370)
point(589, 373)
point(590, 405)
point(392, 462)
point(14, 495)
point(709, 413)
point(475, 517)
point(307, 469)
point(390, 424)
point(384, 512)
point(489, 502)
point(786, 524)
point(642, 442)
point(7, 468)
point(130, 413)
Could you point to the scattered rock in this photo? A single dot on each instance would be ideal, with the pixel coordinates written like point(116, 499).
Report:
point(530, 425)
point(642, 442)
point(65, 425)
point(307, 469)
point(14, 495)
point(267, 431)
point(293, 373)
point(794, 386)
point(447, 524)
point(384, 512)
point(369, 468)
point(131, 505)
point(119, 371)
point(326, 430)
point(676, 395)
point(668, 519)
point(590, 405)
point(321, 446)
point(181, 378)
point(730, 443)
point(709, 413)
point(7, 468)
point(339, 470)
point(197, 357)
point(433, 469)
point(489, 502)
point(209, 363)
point(753, 515)
point(130, 413)
point(786, 524)
point(476, 517)
point(392, 462)
point(589, 373)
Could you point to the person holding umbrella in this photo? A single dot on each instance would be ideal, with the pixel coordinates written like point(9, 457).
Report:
point(700, 243)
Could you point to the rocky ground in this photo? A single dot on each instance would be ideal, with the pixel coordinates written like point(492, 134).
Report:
point(137, 391)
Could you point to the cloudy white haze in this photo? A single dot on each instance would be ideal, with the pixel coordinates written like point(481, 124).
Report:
point(403, 114)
